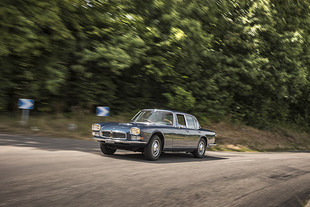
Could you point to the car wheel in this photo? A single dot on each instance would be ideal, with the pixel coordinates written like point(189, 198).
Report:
point(107, 150)
point(153, 150)
point(201, 149)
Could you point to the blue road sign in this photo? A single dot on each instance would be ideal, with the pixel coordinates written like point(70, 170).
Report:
point(25, 103)
point(103, 111)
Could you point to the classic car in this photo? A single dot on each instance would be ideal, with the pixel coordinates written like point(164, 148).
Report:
point(152, 131)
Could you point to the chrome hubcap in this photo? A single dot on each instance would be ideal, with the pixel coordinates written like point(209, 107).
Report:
point(155, 148)
point(201, 147)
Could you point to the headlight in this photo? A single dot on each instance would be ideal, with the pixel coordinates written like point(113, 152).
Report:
point(135, 131)
point(96, 127)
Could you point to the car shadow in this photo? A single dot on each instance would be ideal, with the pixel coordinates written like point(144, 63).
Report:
point(166, 157)
point(90, 146)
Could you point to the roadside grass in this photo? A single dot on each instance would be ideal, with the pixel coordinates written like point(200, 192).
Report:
point(230, 136)
point(242, 138)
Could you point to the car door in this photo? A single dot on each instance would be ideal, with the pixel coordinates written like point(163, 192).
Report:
point(192, 130)
point(168, 130)
point(184, 138)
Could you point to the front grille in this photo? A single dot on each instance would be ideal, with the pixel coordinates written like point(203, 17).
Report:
point(121, 135)
point(106, 134)
point(114, 135)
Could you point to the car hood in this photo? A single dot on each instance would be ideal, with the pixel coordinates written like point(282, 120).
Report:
point(124, 127)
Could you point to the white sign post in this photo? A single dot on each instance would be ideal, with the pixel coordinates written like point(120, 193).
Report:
point(103, 111)
point(25, 105)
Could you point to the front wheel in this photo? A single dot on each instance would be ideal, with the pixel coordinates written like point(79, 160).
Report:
point(153, 150)
point(107, 150)
point(201, 149)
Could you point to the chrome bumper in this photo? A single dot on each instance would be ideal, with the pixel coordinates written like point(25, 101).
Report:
point(211, 145)
point(112, 141)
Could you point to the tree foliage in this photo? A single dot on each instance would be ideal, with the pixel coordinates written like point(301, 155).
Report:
point(249, 60)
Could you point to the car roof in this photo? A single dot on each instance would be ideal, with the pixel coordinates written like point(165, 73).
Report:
point(173, 111)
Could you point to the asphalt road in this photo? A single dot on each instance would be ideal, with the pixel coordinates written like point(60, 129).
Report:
point(38, 171)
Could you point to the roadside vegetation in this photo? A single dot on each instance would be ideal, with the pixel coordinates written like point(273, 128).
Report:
point(230, 136)
point(245, 60)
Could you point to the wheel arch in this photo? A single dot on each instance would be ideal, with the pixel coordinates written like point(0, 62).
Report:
point(161, 136)
point(205, 138)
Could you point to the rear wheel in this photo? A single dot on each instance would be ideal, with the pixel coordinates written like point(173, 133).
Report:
point(107, 150)
point(201, 149)
point(153, 150)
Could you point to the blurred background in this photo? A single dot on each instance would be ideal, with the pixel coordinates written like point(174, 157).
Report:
point(243, 61)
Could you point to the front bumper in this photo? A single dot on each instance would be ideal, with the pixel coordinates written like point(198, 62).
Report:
point(119, 141)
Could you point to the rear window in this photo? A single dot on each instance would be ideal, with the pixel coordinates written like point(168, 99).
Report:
point(190, 122)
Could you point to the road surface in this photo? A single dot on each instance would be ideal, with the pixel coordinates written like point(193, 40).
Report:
point(40, 171)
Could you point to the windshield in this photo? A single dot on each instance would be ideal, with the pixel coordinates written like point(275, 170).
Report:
point(156, 117)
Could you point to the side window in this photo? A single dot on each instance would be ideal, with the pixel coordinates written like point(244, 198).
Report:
point(190, 122)
point(169, 117)
point(197, 126)
point(181, 120)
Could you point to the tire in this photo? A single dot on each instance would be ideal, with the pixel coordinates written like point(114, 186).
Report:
point(201, 149)
point(107, 150)
point(153, 150)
